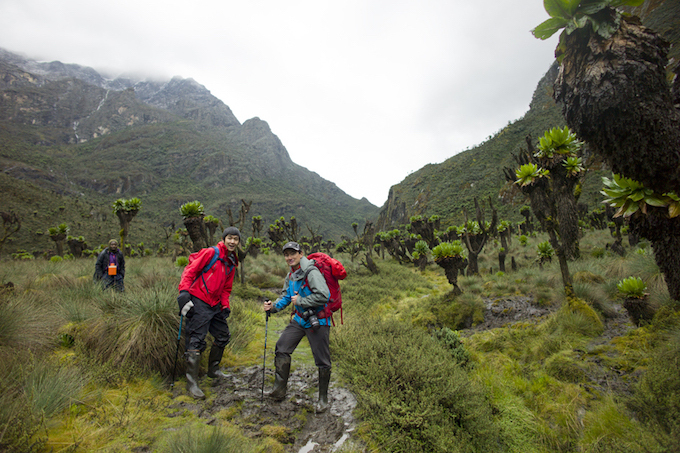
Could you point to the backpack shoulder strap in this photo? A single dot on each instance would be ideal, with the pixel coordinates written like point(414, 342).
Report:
point(214, 258)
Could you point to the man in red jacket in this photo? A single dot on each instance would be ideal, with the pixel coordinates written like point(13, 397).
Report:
point(204, 300)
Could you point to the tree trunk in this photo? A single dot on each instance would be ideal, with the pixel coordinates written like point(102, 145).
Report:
point(452, 265)
point(615, 95)
point(196, 229)
point(664, 234)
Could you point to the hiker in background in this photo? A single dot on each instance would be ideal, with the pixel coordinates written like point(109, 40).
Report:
point(204, 292)
point(110, 267)
point(306, 288)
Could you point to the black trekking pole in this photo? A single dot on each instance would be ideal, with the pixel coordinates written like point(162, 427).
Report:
point(264, 360)
point(179, 335)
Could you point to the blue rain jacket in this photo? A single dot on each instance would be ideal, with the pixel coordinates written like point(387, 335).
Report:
point(312, 293)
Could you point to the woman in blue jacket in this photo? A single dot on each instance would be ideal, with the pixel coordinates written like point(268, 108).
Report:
point(307, 290)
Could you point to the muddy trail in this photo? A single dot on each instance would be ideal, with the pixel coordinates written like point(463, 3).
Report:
point(293, 422)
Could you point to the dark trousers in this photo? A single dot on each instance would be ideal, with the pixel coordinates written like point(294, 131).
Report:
point(206, 319)
point(318, 341)
point(113, 281)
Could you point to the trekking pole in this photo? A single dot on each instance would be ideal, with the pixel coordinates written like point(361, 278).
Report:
point(264, 360)
point(179, 335)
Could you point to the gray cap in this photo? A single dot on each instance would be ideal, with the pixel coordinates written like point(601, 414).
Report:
point(293, 246)
point(231, 230)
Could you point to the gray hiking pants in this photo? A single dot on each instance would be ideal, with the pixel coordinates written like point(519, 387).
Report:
point(318, 341)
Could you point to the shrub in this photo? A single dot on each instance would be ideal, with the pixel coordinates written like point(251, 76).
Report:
point(412, 396)
point(181, 261)
point(656, 397)
point(451, 341)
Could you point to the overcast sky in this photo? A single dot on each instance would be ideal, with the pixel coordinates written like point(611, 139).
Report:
point(363, 92)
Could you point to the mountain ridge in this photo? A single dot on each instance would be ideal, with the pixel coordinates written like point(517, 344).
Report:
point(168, 142)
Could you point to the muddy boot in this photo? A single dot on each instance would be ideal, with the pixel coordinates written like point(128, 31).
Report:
point(282, 364)
point(193, 362)
point(324, 379)
point(214, 362)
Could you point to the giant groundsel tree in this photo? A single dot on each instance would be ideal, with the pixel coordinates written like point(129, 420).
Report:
point(614, 89)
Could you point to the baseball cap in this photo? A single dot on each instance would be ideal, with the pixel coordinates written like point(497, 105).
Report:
point(292, 245)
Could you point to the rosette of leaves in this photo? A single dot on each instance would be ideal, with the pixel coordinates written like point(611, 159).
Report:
point(193, 212)
point(192, 209)
point(571, 15)
point(59, 231)
point(253, 246)
point(503, 225)
point(632, 289)
point(545, 252)
point(529, 173)
point(58, 234)
point(557, 141)
point(420, 252)
point(472, 227)
point(451, 257)
point(631, 196)
point(573, 165)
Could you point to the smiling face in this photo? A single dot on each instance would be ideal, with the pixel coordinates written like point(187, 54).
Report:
point(292, 257)
point(231, 242)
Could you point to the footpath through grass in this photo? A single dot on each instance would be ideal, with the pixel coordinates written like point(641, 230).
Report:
point(89, 370)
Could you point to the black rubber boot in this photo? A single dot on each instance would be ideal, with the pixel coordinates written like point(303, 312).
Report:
point(193, 363)
point(214, 362)
point(282, 364)
point(324, 379)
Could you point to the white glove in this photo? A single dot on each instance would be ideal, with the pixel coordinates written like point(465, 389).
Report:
point(188, 306)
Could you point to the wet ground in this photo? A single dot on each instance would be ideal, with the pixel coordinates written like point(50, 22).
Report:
point(293, 421)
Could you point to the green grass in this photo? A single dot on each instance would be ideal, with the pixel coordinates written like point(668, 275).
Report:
point(533, 386)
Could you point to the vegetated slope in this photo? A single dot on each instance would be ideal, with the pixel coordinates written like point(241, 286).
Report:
point(445, 189)
point(67, 132)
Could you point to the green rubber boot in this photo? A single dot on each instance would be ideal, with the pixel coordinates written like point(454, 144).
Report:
point(193, 363)
point(324, 379)
point(282, 364)
point(214, 360)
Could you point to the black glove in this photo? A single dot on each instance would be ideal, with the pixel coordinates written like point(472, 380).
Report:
point(226, 312)
point(182, 300)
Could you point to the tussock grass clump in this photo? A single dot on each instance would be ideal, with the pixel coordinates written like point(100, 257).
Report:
point(454, 312)
point(200, 438)
point(50, 388)
point(566, 367)
point(596, 297)
point(576, 317)
point(31, 393)
point(656, 399)
point(607, 427)
point(412, 396)
point(26, 321)
point(137, 329)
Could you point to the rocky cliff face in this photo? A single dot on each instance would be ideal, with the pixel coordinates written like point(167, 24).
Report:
point(71, 131)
